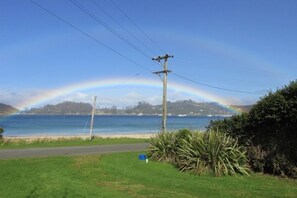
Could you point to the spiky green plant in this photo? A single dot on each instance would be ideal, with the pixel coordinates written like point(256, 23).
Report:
point(214, 152)
point(192, 154)
point(200, 152)
point(163, 147)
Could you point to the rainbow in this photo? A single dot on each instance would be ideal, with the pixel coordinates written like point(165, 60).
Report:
point(49, 95)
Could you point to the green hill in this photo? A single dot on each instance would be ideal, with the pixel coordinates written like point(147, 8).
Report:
point(7, 109)
point(184, 107)
point(64, 108)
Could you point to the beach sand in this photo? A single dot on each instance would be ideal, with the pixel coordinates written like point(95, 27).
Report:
point(56, 137)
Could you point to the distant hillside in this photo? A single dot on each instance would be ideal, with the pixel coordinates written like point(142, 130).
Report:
point(195, 108)
point(7, 109)
point(65, 108)
point(184, 107)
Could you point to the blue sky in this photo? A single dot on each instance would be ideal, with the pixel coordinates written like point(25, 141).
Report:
point(242, 45)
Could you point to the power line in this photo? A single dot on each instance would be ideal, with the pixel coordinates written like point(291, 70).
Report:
point(93, 16)
point(130, 60)
point(138, 27)
point(122, 26)
point(215, 87)
point(89, 36)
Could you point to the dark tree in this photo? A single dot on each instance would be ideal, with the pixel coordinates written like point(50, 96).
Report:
point(269, 130)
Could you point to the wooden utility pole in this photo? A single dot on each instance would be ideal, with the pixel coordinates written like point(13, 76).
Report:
point(165, 73)
point(92, 120)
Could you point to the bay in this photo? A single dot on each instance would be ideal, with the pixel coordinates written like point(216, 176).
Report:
point(74, 125)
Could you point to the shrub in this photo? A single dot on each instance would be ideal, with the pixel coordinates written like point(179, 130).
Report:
point(213, 152)
point(278, 164)
point(1, 133)
point(273, 122)
point(269, 131)
point(256, 157)
point(200, 152)
point(163, 147)
point(236, 127)
point(183, 134)
point(192, 154)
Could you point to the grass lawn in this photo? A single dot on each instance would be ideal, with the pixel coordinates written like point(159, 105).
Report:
point(123, 175)
point(62, 142)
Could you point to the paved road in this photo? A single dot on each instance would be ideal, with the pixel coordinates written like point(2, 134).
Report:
point(76, 150)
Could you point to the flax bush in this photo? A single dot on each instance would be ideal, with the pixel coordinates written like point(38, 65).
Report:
point(212, 152)
point(200, 152)
point(163, 147)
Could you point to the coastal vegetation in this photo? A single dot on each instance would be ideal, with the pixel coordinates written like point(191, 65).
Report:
point(184, 107)
point(268, 131)
point(200, 152)
point(1, 133)
point(123, 175)
point(20, 143)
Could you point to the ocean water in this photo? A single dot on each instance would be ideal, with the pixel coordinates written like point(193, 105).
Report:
point(72, 125)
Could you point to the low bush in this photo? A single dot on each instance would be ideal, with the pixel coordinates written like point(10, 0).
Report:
point(163, 147)
point(212, 152)
point(256, 156)
point(235, 127)
point(200, 152)
point(1, 133)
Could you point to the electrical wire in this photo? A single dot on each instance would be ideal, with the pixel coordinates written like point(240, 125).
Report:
point(137, 26)
point(215, 87)
point(90, 37)
point(130, 60)
point(98, 20)
point(122, 26)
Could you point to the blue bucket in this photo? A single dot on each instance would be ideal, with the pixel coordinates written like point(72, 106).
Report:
point(142, 157)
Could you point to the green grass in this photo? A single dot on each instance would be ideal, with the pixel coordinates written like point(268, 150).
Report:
point(63, 142)
point(123, 175)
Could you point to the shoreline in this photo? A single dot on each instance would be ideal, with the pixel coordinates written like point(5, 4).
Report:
point(57, 137)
